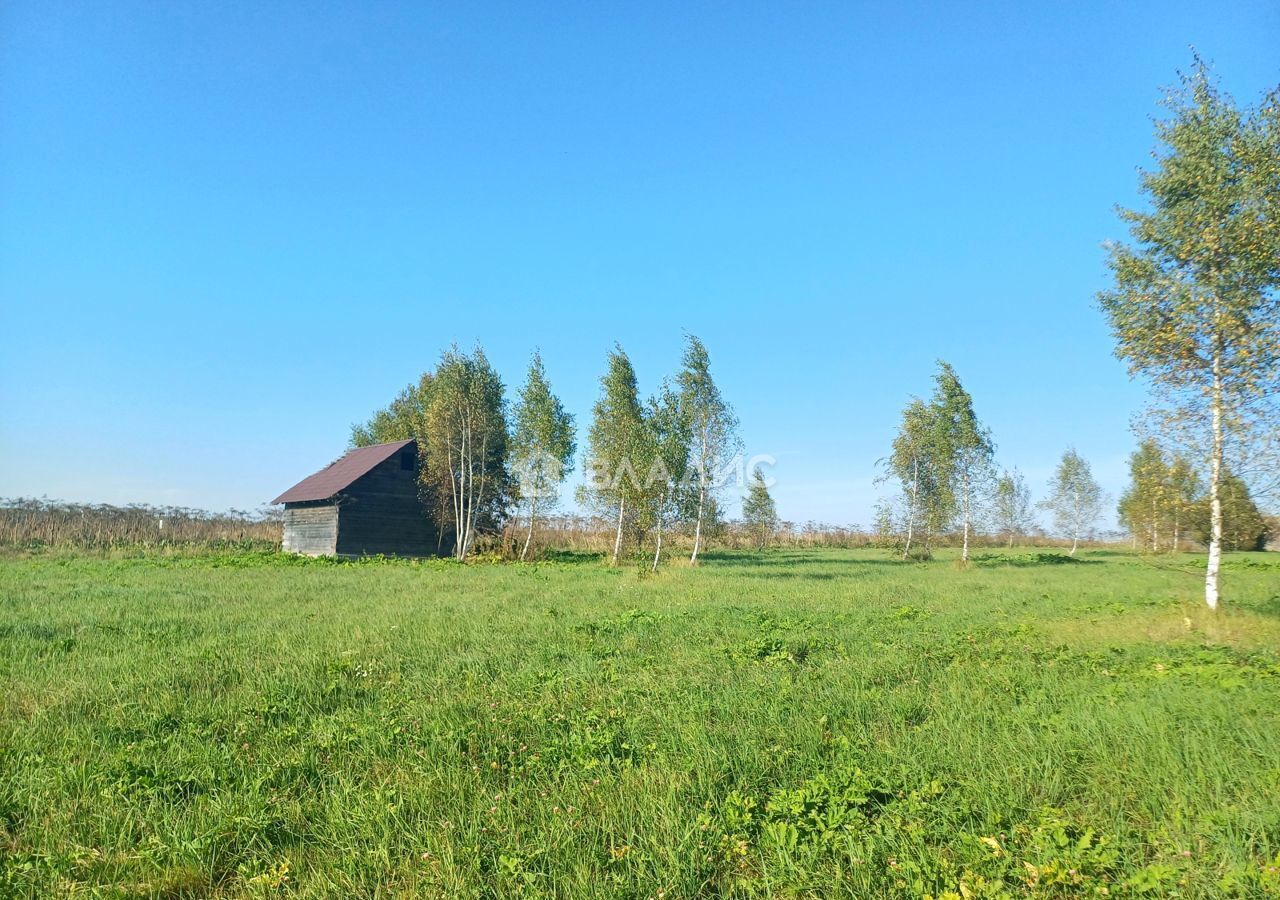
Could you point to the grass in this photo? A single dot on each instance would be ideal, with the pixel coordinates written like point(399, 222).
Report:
point(789, 724)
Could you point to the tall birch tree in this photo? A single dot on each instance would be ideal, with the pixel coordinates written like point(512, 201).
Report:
point(1144, 506)
point(1195, 306)
point(713, 435)
point(1011, 505)
point(467, 440)
point(616, 441)
point(1075, 499)
point(920, 465)
point(759, 513)
point(965, 449)
point(668, 450)
point(542, 446)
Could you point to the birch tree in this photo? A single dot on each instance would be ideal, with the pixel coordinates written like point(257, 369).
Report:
point(616, 439)
point(964, 449)
point(466, 432)
point(759, 513)
point(1144, 506)
point(713, 434)
point(406, 417)
point(919, 463)
point(1011, 505)
point(1075, 500)
point(542, 446)
point(1194, 307)
point(1184, 494)
point(668, 450)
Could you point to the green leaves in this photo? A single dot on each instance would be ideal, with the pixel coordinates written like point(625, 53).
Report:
point(542, 443)
point(759, 512)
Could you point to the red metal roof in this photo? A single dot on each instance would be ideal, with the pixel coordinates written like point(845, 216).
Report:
point(340, 473)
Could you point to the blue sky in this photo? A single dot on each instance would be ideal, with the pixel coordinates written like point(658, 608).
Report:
point(228, 231)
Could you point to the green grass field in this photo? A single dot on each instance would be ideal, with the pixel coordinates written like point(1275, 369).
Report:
point(790, 724)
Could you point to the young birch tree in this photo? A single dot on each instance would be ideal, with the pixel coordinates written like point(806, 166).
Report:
point(1074, 498)
point(668, 446)
point(616, 441)
point(920, 465)
point(466, 431)
point(1184, 494)
point(542, 446)
point(713, 434)
point(1011, 505)
point(1195, 308)
point(965, 447)
point(1144, 506)
point(759, 513)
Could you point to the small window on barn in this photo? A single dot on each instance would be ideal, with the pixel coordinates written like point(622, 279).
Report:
point(406, 461)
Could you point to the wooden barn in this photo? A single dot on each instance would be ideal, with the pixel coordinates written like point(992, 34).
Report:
point(362, 504)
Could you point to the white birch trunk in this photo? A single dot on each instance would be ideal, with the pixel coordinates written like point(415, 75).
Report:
point(617, 541)
point(911, 510)
point(697, 528)
point(533, 508)
point(657, 554)
point(1215, 495)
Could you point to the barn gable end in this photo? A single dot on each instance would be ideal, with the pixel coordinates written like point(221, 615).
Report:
point(362, 504)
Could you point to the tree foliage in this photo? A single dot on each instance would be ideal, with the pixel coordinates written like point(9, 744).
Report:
point(1075, 499)
point(964, 447)
point(942, 459)
point(467, 444)
point(669, 438)
point(1194, 307)
point(1243, 525)
point(403, 419)
point(759, 513)
point(1157, 504)
point(1011, 508)
point(542, 446)
point(918, 461)
point(712, 429)
point(619, 441)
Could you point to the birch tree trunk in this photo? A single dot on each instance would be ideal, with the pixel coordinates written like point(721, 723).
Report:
point(1215, 497)
point(533, 508)
point(1155, 528)
point(617, 541)
point(1075, 530)
point(911, 511)
point(657, 554)
point(697, 528)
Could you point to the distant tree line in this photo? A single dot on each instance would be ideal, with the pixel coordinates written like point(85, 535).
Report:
point(1167, 502)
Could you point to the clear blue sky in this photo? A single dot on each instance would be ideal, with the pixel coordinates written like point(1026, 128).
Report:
point(229, 230)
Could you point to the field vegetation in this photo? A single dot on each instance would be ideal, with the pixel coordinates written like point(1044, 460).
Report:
point(800, 722)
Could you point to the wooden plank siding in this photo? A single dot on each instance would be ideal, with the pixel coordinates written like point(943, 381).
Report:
point(311, 528)
point(380, 512)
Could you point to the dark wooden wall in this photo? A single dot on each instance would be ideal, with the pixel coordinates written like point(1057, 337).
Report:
point(380, 513)
point(311, 528)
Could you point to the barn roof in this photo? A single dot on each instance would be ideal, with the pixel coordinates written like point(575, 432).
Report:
point(340, 473)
